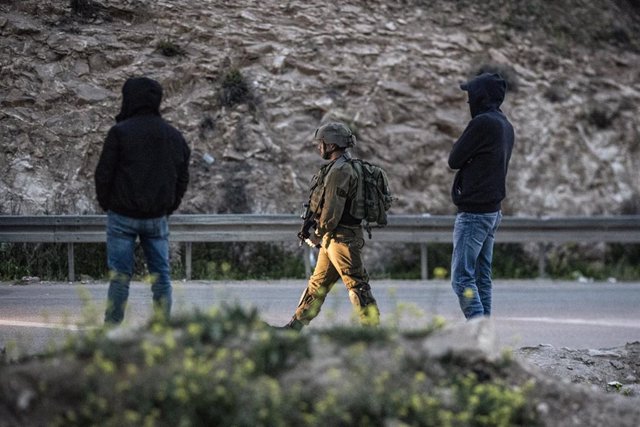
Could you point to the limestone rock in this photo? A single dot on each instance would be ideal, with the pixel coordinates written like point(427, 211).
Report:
point(88, 93)
point(474, 340)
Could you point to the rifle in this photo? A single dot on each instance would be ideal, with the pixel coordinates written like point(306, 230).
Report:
point(308, 222)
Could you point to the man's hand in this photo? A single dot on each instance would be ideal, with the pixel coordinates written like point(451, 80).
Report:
point(313, 240)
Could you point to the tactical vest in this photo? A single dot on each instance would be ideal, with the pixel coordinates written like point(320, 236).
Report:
point(316, 193)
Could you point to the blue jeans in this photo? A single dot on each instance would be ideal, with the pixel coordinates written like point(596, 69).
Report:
point(122, 232)
point(473, 238)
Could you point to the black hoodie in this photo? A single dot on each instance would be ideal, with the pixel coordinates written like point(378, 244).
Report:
point(483, 150)
point(143, 170)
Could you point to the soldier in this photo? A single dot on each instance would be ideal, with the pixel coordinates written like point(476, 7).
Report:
point(337, 234)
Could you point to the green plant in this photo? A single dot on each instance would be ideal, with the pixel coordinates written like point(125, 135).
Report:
point(216, 261)
point(622, 261)
point(227, 367)
point(43, 260)
point(235, 89)
point(575, 261)
point(511, 261)
point(214, 366)
point(241, 261)
point(49, 261)
point(169, 48)
point(403, 261)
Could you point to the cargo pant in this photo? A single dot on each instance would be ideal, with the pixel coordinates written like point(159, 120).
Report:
point(340, 257)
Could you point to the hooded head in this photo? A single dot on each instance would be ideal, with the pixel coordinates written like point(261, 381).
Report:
point(486, 91)
point(140, 95)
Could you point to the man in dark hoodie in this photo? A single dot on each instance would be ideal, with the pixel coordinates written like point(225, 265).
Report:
point(140, 180)
point(481, 156)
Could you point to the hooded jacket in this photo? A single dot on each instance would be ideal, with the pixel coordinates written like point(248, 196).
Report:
point(483, 151)
point(143, 169)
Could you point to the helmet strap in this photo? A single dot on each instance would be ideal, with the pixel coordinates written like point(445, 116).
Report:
point(330, 153)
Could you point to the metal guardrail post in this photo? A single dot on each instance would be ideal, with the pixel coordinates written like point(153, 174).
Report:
point(542, 260)
point(71, 262)
point(187, 260)
point(424, 266)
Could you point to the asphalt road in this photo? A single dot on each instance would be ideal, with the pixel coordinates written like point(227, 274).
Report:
point(526, 313)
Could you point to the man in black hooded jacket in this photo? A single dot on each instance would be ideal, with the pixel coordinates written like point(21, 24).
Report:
point(140, 180)
point(481, 156)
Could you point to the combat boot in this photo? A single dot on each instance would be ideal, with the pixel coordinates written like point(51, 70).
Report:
point(294, 324)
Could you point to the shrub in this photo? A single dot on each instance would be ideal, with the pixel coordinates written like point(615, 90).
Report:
point(215, 261)
point(557, 91)
point(48, 261)
point(227, 367)
point(235, 89)
point(600, 118)
point(169, 48)
point(510, 261)
point(82, 7)
point(241, 261)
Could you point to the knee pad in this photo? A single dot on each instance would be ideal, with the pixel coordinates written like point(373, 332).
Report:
point(361, 295)
point(365, 304)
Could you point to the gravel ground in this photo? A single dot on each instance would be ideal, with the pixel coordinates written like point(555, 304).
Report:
point(613, 370)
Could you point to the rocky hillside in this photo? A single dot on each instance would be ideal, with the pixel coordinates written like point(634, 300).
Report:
point(249, 81)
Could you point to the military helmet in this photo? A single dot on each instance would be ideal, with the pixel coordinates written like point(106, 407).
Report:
point(335, 133)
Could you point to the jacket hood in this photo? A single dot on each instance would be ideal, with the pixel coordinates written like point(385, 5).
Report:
point(140, 95)
point(486, 91)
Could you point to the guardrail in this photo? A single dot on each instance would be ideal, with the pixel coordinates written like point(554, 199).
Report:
point(422, 229)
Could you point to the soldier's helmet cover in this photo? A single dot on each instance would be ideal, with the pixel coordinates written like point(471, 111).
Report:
point(335, 133)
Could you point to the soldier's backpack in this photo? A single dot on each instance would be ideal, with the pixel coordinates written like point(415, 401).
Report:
point(373, 197)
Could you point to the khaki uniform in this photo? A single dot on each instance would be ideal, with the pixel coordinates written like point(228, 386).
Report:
point(340, 255)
